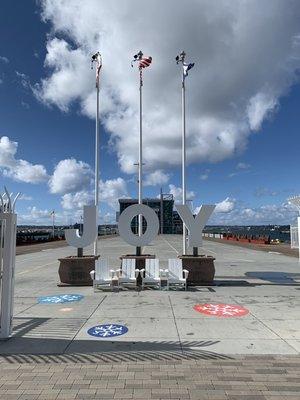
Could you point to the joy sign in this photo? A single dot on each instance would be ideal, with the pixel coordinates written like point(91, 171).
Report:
point(194, 225)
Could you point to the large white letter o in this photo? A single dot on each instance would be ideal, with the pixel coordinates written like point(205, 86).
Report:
point(125, 225)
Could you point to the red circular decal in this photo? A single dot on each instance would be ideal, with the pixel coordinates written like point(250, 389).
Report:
point(221, 310)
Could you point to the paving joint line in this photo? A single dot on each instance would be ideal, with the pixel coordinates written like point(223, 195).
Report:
point(270, 329)
point(86, 319)
point(180, 344)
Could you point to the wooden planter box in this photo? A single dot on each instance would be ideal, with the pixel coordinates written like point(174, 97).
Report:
point(201, 269)
point(75, 271)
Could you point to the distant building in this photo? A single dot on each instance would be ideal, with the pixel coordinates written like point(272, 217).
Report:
point(163, 208)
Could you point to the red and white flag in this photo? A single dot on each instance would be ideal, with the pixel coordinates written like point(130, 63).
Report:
point(145, 62)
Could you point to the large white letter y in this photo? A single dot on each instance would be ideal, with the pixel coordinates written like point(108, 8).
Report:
point(196, 224)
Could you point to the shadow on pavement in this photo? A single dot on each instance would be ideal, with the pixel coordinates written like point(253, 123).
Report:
point(275, 276)
point(31, 342)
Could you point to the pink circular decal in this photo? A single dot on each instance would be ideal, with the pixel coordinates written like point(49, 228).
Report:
point(221, 310)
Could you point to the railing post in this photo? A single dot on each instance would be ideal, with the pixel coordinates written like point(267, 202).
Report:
point(8, 222)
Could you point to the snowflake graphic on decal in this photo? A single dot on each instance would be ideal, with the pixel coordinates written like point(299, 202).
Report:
point(108, 330)
point(221, 310)
point(57, 299)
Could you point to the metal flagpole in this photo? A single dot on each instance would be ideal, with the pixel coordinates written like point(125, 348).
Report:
point(138, 250)
point(143, 63)
point(183, 161)
point(98, 59)
point(181, 59)
point(185, 68)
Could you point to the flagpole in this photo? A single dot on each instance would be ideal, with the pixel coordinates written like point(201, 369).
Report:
point(97, 58)
point(140, 232)
point(97, 170)
point(185, 68)
point(143, 63)
point(183, 162)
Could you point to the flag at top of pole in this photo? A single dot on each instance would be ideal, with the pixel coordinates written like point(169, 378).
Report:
point(186, 68)
point(143, 61)
point(96, 58)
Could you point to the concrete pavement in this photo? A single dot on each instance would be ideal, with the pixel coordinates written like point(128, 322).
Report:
point(170, 351)
point(268, 285)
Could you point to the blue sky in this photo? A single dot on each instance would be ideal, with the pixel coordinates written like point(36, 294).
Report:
point(242, 119)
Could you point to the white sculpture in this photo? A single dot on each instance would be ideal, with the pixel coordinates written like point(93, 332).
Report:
point(90, 233)
point(196, 224)
point(125, 225)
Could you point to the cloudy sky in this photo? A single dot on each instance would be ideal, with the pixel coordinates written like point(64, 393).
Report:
point(243, 100)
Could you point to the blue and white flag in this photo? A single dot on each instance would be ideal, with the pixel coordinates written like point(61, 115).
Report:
point(186, 68)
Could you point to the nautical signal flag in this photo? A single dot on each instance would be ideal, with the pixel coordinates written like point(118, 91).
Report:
point(186, 68)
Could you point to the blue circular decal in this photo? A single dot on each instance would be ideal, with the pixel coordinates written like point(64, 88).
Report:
point(108, 330)
point(60, 298)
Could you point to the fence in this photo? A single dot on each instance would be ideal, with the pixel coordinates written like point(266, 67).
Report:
point(8, 227)
point(294, 237)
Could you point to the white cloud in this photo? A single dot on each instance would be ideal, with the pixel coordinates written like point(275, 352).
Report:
point(177, 193)
point(264, 191)
point(73, 201)
point(24, 79)
point(24, 197)
point(242, 165)
point(35, 216)
point(3, 59)
point(205, 175)
point(70, 176)
point(246, 55)
point(110, 191)
point(266, 214)
point(225, 206)
point(260, 106)
point(17, 169)
point(156, 178)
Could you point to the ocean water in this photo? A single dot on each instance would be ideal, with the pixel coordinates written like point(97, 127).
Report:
point(282, 233)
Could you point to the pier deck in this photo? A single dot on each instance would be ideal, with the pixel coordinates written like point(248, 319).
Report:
point(259, 352)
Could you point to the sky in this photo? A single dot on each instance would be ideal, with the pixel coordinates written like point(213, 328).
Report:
point(242, 99)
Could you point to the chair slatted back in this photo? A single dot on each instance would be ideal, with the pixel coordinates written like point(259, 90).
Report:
point(152, 268)
point(175, 268)
point(102, 269)
point(128, 268)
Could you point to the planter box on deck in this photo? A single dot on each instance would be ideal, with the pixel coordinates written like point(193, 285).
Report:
point(201, 269)
point(75, 271)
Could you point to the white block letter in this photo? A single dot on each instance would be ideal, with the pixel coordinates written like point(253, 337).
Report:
point(195, 225)
point(89, 229)
point(125, 225)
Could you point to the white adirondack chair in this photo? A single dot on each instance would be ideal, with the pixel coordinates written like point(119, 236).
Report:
point(151, 274)
point(102, 275)
point(175, 274)
point(128, 273)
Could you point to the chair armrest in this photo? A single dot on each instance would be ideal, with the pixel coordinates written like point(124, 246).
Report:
point(161, 273)
point(185, 273)
point(118, 272)
point(113, 273)
point(137, 272)
point(92, 274)
point(142, 272)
